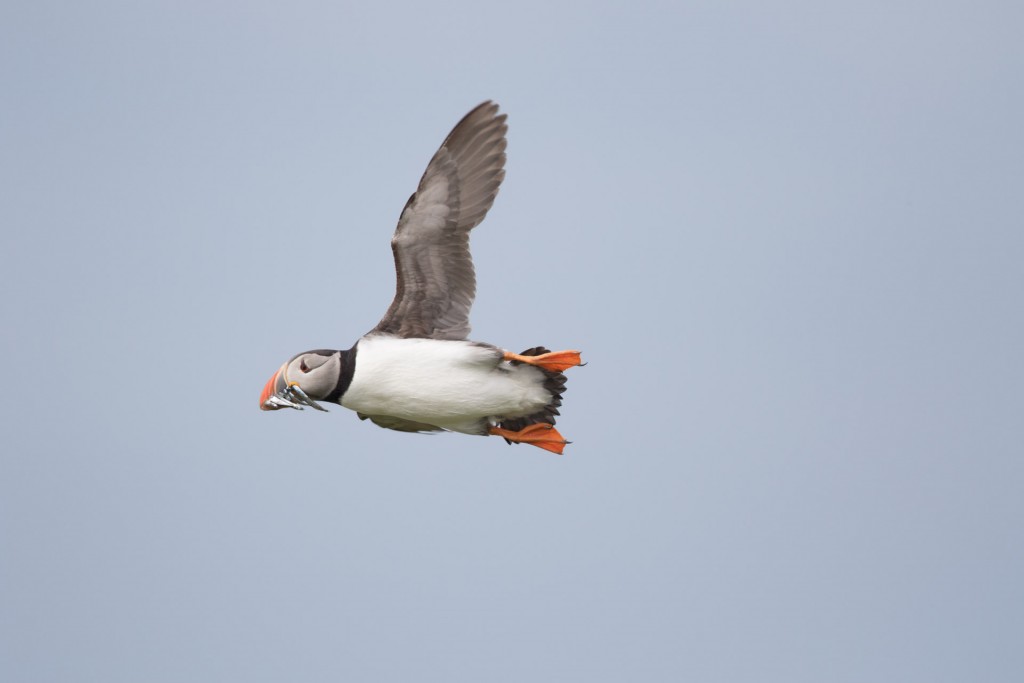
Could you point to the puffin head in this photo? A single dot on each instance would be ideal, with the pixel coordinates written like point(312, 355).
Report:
point(303, 380)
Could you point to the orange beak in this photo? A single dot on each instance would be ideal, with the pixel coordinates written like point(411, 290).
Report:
point(278, 393)
point(274, 386)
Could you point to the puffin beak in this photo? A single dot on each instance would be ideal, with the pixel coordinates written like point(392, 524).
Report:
point(279, 394)
point(272, 396)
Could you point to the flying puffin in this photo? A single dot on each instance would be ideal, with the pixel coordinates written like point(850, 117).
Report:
point(416, 371)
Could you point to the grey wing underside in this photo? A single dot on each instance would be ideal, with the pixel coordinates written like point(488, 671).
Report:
point(436, 282)
point(398, 424)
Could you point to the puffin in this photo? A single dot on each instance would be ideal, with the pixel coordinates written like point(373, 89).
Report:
point(417, 371)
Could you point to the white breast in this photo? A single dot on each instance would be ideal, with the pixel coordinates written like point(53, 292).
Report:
point(456, 385)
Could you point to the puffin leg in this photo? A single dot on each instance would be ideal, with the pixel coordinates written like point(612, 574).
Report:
point(541, 435)
point(555, 361)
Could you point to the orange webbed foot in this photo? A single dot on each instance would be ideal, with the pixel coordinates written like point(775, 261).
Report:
point(553, 361)
point(541, 435)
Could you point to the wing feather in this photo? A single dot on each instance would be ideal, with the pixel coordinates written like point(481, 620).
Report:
point(436, 283)
point(398, 424)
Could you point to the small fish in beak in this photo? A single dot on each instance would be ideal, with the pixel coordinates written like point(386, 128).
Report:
point(278, 393)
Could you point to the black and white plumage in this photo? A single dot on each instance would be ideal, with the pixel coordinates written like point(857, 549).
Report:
point(416, 371)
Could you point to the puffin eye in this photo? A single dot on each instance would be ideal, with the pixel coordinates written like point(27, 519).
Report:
point(308, 362)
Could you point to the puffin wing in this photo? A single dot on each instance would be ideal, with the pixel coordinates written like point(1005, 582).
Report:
point(398, 424)
point(436, 282)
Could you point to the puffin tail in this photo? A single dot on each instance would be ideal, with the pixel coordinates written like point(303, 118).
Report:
point(554, 383)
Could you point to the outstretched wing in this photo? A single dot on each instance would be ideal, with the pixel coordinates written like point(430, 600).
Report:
point(436, 283)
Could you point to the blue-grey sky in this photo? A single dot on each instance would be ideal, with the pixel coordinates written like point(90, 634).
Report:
point(787, 237)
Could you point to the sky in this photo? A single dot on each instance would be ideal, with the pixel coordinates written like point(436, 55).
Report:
point(787, 237)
